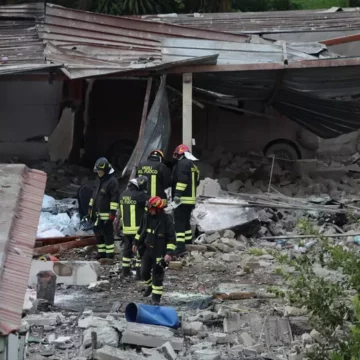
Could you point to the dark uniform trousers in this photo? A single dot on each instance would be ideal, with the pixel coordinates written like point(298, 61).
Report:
point(104, 232)
point(182, 216)
point(149, 264)
point(128, 253)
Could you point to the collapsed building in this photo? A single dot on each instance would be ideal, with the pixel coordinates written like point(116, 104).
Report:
point(252, 101)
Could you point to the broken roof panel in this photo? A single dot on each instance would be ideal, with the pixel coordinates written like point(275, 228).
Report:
point(21, 199)
point(91, 44)
point(230, 52)
point(266, 22)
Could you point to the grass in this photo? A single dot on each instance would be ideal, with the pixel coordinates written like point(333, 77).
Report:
point(256, 251)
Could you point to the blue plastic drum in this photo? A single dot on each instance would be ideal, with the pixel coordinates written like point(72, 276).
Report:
point(152, 315)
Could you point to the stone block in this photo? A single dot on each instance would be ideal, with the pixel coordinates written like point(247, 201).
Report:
point(235, 186)
point(219, 338)
point(207, 354)
point(223, 248)
point(231, 257)
point(45, 319)
point(212, 237)
point(232, 323)
point(296, 356)
point(166, 351)
point(317, 337)
point(106, 335)
point(150, 336)
point(209, 187)
point(201, 346)
point(229, 234)
point(246, 339)
point(110, 353)
point(192, 328)
point(78, 273)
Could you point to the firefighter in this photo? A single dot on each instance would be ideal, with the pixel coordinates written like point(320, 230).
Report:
point(185, 180)
point(155, 242)
point(158, 174)
point(103, 205)
point(132, 206)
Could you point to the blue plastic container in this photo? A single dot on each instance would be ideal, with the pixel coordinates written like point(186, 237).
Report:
point(152, 315)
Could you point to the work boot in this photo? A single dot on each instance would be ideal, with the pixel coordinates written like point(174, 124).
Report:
point(126, 271)
point(147, 292)
point(155, 299)
point(138, 274)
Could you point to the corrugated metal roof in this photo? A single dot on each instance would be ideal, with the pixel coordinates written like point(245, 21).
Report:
point(27, 11)
point(21, 49)
point(21, 194)
point(232, 53)
point(265, 22)
point(109, 44)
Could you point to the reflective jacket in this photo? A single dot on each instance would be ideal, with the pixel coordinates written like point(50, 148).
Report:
point(105, 197)
point(158, 232)
point(185, 181)
point(132, 207)
point(158, 174)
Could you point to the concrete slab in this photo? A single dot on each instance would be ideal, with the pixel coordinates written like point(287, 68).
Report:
point(79, 273)
point(150, 336)
point(278, 331)
point(45, 319)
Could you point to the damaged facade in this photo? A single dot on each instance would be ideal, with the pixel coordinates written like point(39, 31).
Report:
point(88, 62)
point(237, 92)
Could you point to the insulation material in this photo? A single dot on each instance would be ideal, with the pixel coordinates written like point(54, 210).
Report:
point(156, 130)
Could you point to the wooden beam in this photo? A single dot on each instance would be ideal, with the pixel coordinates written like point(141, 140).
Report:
point(187, 110)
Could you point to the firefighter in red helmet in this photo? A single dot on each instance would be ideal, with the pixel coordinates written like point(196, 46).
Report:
point(185, 181)
point(155, 243)
point(158, 174)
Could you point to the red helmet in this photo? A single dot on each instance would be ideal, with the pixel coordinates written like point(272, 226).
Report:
point(158, 153)
point(155, 204)
point(180, 150)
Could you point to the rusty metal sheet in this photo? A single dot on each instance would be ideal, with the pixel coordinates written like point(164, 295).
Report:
point(22, 195)
point(150, 28)
point(261, 22)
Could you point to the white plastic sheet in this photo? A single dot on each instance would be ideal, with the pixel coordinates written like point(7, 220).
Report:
point(48, 203)
point(222, 213)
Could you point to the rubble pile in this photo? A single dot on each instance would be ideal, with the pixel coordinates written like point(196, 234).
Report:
point(301, 178)
point(220, 290)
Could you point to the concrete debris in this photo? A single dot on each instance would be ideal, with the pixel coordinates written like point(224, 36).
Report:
point(201, 346)
point(111, 353)
point(165, 351)
point(207, 354)
point(317, 337)
point(99, 285)
point(150, 336)
point(106, 335)
point(45, 319)
point(192, 328)
point(246, 339)
point(209, 188)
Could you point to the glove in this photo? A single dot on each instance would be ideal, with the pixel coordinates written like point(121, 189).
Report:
point(177, 200)
point(167, 258)
point(112, 217)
